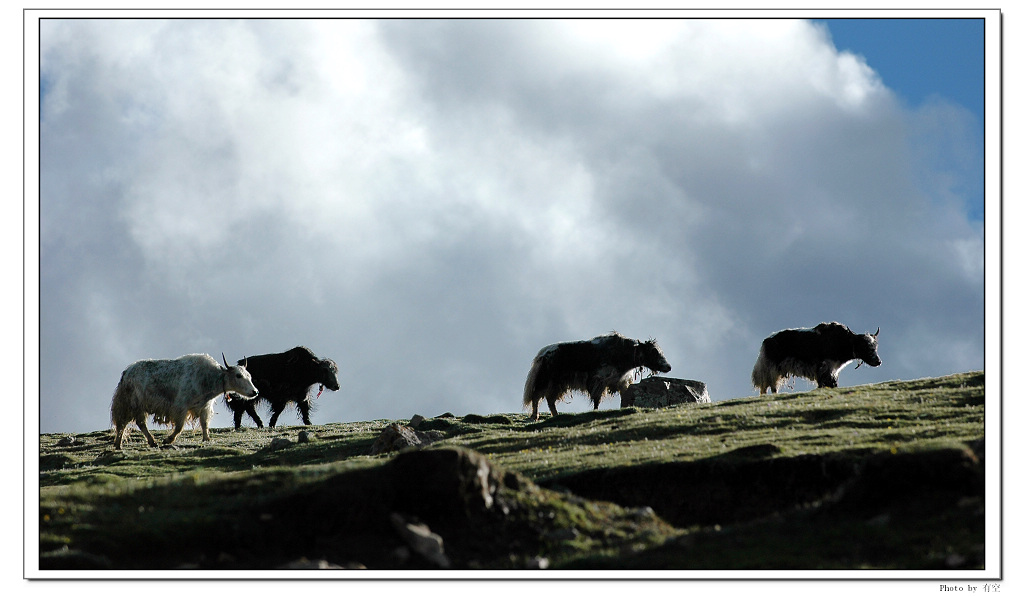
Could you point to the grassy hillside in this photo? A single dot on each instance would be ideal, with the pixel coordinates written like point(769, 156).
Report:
point(886, 476)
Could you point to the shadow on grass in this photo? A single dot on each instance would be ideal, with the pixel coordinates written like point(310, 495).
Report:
point(572, 420)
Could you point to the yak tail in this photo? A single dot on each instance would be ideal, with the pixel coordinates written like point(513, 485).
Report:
point(121, 411)
point(763, 375)
point(531, 388)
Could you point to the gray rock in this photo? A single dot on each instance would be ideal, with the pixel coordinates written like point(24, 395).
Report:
point(396, 437)
point(659, 392)
point(421, 540)
point(279, 443)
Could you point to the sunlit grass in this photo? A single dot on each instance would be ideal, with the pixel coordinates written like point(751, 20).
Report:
point(90, 491)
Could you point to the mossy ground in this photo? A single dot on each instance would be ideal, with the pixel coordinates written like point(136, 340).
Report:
point(887, 475)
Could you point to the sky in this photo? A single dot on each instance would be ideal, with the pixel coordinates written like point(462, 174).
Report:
point(430, 202)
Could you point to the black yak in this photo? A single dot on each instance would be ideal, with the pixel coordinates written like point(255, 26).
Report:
point(174, 390)
point(598, 366)
point(282, 378)
point(817, 354)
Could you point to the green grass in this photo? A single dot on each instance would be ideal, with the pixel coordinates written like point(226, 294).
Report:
point(887, 475)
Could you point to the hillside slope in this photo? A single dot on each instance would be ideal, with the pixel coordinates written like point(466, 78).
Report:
point(887, 476)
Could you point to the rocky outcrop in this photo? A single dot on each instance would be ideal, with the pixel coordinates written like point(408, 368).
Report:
point(396, 437)
point(444, 484)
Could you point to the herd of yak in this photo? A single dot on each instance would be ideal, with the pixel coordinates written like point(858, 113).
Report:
point(174, 391)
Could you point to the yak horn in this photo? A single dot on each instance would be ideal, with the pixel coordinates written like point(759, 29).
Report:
point(226, 366)
point(876, 332)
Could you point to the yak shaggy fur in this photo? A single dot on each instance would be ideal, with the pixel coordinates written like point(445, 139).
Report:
point(598, 366)
point(817, 354)
point(282, 378)
point(173, 391)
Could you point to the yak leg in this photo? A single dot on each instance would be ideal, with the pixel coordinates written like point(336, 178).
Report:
point(119, 430)
point(141, 422)
point(826, 379)
point(303, 406)
point(250, 407)
point(275, 412)
point(596, 390)
point(535, 415)
point(178, 426)
point(551, 406)
point(204, 423)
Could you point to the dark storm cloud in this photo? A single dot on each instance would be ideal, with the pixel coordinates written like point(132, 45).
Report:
point(430, 202)
point(784, 220)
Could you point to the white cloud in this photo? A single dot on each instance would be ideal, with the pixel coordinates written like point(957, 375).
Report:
point(430, 202)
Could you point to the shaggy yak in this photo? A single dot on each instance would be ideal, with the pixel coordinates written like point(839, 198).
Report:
point(817, 354)
point(173, 391)
point(282, 378)
point(598, 366)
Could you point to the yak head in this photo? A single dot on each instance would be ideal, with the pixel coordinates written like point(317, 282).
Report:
point(306, 365)
point(865, 348)
point(648, 354)
point(327, 372)
point(237, 380)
